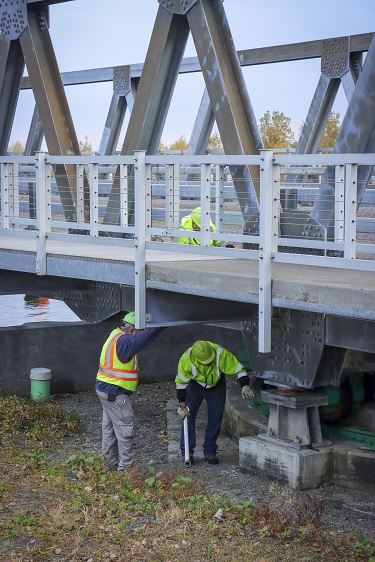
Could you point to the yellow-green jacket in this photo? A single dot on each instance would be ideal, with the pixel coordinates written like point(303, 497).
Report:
point(187, 224)
point(208, 375)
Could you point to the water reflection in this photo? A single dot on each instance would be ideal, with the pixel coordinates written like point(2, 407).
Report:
point(40, 305)
point(16, 310)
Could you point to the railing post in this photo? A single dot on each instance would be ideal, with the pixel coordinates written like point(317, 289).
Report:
point(140, 238)
point(5, 222)
point(94, 200)
point(350, 211)
point(43, 213)
point(219, 198)
point(339, 221)
point(15, 192)
point(172, 197)
point(266, 244)
point(205, 204)
point(124, 184)
point(80, 193)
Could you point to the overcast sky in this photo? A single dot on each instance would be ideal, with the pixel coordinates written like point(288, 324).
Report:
point(94, 34)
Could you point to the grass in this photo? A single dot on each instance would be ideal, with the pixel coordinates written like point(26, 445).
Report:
point(73, 510)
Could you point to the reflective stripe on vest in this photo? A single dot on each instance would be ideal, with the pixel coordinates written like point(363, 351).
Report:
point(122, 372)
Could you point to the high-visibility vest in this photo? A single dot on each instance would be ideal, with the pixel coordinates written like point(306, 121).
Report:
point(187, 224)
point(112, 370)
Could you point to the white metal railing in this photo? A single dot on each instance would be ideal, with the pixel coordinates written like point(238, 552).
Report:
point(141, 217)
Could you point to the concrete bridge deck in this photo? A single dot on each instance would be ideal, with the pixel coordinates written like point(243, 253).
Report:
point(334, 291)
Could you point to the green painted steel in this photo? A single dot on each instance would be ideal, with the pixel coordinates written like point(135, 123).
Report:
point(354, 435)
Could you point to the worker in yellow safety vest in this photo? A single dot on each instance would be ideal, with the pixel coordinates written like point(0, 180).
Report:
point(201, 376)
point(193, 222)
point(116, 382)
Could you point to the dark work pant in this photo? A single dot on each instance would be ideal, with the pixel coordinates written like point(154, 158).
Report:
point(215, 398)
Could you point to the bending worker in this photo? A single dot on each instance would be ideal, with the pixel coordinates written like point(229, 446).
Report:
point(193, 222)
point(201, 376)
point(116, 382)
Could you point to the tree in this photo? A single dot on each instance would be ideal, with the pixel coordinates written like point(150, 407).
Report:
point(214, 142)
point(331, 131)
point(85, 146)
point(179, 144)
point(16, 147)
point(275, 130)
point(162, 146)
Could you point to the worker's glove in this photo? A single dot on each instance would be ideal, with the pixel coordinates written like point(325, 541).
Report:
point(183, 412)
point(247, 393)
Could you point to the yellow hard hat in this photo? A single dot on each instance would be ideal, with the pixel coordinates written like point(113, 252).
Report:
point(196, 216)
point(129, 318)
point(203, 352)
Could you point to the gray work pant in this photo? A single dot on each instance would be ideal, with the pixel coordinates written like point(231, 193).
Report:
point(118, 428)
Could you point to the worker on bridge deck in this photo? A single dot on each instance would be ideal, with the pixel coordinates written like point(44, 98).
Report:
point(201, 376)
point(193, 222)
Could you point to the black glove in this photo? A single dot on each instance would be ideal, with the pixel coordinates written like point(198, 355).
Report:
point(229, 246)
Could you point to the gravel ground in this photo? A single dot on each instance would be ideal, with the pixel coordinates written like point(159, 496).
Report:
point(156, 442)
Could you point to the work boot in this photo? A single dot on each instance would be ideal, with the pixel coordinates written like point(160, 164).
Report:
point(211, 458)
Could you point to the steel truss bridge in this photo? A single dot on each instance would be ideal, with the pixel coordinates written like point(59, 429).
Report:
point(100, 231)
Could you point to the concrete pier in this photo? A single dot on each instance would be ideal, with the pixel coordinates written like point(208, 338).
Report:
point(346, 464)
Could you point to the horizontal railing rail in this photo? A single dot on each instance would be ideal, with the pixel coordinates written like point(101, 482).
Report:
point(143, 199)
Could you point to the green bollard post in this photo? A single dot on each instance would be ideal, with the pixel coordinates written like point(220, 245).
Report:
point(40, 384)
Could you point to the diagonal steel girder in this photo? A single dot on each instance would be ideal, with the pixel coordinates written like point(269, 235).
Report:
point(229, 98)
point(52, 105)
point(124, 92)
point(317, 115)
point(322, 103)
point(203, 125)
point(312, 130)
point(159, 75)
point(356, 135)
point(350, 77)
point(35, 137)
point(319, 111)
point(11, 70)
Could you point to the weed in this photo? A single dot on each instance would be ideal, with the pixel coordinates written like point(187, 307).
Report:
point(38, 457)
point(74, 510)
point(35, 421)
point(83, 464)
point(154, 480)
point(264, 532)
point(364, 549)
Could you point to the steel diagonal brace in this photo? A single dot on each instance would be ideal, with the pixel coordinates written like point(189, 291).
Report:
point(228, 95)
point(52, 106)
point(355, 136)
point(11, 69)
point(317, 115)
point(156, 86)
point(312, 131)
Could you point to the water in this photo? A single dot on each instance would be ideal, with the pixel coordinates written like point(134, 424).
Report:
point(16, 310)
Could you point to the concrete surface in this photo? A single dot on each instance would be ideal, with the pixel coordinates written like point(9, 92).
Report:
point(335, 291)
point(346, 464)
point(303, 469)
point(71, 351)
